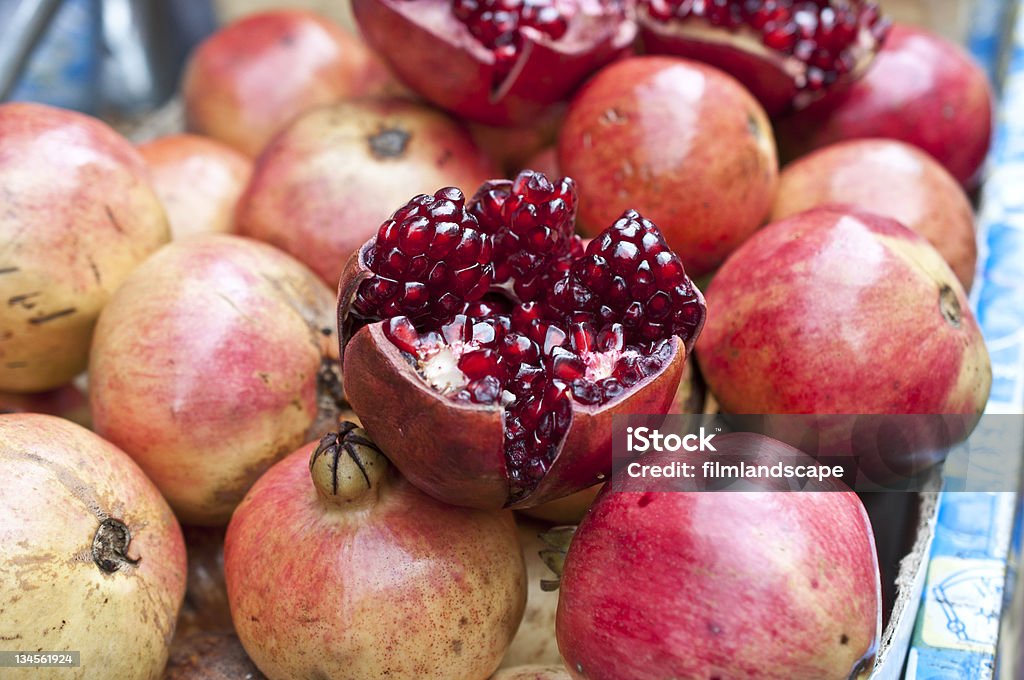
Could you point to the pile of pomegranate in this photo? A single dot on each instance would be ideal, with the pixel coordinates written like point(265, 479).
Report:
point(325, 383)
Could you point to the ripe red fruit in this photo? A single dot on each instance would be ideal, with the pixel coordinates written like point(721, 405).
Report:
point(509, 348)
point(323, 185)
point(922, 90)
point(251, 78)
point(892, 179)
point(772, 585)
point(338, 567)
point(495, 61)
point(788, 53)
point(79, 214)
point(838, 311)
point(92, 554)
point(207, 366)
point(198, 181)
point(682, 143)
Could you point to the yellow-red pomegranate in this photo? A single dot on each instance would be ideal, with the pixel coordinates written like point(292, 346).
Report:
point(79, 214)
point(198, 180)
point(206, 368)
point(338, 567)
point(324, 184)
point(93, 559)
point(251, 78)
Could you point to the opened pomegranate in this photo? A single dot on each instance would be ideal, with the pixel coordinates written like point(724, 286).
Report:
point(508, 346)
point(337, 567)
point(763, 584)
point(788, 53)
point(495, 61)
point(93, 559)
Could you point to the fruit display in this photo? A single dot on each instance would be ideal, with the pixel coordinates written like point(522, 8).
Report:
point(341, 374)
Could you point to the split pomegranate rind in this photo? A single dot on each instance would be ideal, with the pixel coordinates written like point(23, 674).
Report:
point(520, 345)
point(501, 62)
point(789, 53)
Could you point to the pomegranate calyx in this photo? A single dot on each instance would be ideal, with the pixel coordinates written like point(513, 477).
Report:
point(347, 468)
point(558, 540)
point(110, 546)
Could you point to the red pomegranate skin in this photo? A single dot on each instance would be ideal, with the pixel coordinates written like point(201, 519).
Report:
point(393, 584)
point(78, 215)
point(205, 368)
point(324, 185)
point(834, 311)
point(731, 584)
point(60, 483)
point(198, 180)
point(681, 142)
point(890, 178)
point(921, 89)
point(251, 78)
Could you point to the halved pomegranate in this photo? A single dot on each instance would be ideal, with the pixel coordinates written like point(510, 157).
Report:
point(495, 61)
point(506, 346)
point(788, 53)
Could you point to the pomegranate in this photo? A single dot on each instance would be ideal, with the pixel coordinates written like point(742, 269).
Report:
point(78, 215)
point(732, 584)
point(532, 673)
point(545, 162)
point(355, 573)
point(497, 62)
point(324, 183)
point(210, 656)
point(679, 141)
point(835, 311)
point(788, 53)
point(198, 180)
point(923, 90)
point(513, 147)
point(93, 557)
point(508, 346)
point(251, 78)
point(206, 365)
point(67, 402)
point(889, 178)
point(534, 643)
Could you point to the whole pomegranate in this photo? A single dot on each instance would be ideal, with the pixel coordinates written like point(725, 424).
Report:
point(93, 557)
point(198, 180)
point(79, 214)
point(788, 53)
point(251, 78)
point(889, 178)
point(679, 141)
point(206, 367)
point(496, 62)
point(533, 672)
point(338, 567)
point(322, 185)
point(921, 89)
point(510, 347)
point(513, 147)
point(839, 311)
point(762, 584)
